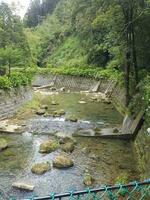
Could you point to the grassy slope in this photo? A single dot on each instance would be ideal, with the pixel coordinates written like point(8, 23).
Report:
point(69, 53)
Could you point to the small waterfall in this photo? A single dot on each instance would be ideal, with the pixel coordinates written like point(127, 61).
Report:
point(126, 124)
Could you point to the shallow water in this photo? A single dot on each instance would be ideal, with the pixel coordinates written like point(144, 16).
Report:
point(103, 159)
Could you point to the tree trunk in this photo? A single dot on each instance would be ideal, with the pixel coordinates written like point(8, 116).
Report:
point(134, 54)
point(127, 76)
point(9, 68)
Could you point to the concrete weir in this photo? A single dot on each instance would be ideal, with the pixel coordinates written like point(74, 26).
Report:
point(109, 91)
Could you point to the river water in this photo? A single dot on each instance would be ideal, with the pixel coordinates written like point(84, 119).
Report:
point(104, 159)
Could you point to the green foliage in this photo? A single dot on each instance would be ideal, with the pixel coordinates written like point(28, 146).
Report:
point(145, 94)
point(91, 72)
point(38, 10)
point(2, 70)
point(141, 101)
point(14, 49)
point(16, 79)
point(5, 83)
point(122, 179)
point(70, 53)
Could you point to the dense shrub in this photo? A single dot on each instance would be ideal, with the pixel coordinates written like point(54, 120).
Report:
point(5, 82)
point(91, 72)
point(145, 93)
point(16, 79)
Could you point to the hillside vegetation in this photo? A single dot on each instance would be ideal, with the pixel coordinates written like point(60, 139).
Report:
point(94, 38)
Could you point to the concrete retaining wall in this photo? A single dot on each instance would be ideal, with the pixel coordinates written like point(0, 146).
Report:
point(12, 100)
point(70, 82)
point(82, 83)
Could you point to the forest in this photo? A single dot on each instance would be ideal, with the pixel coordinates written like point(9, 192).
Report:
point(94, 38)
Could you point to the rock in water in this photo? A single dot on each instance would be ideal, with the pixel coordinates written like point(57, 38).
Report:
point(48, 146)
point(59, 113)
point(53, 103)
point(41, 168)
point(62, 161)
point(23, 186)
point(81, 102)
point(41, 112)
point(3, 144)
point(68, 147)
point(71, 119)
point(88, 180)
point(115, 130)
point(148, 130)
point(65, 140)
point(44, 107)
point(62, 89)
point(53, 89)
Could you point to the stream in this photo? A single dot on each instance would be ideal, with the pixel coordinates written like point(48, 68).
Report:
point(104, 159)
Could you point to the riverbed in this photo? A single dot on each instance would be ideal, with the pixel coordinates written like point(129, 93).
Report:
point(104, 159)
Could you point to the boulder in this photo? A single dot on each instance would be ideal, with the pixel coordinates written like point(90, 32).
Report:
point(41, 168)
point(3, 144)
point(94, 98)
point(115, 130)
point(62, 161)
point(41, 112)
point(106, 101)
point(148, 130)
point(48, 146)
point(54, 103)
point(71, 119)
point(59, 113)
point(88, 180)
point(81, 102)
point(53, 89)
point(44, 107)
point(65, 140)
point(68, 147)
point(23, 186)
point(62, 89)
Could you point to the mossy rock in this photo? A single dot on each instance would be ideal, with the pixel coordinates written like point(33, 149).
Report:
point(115, 130)
point(65, 140)
point(53, 89)
point(62, 161)
point(41, 168)
point(71, 119)
point(54, 103)
point(59, 113)
point(3, 144)
point(48, 146)
point(40, 112)
point(82, 102)
point(44, 107)
point(88, 180)
point(68, 147)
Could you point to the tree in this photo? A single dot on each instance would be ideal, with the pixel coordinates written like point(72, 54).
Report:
point(10, 57)
point(38, 10)
point(13, 43)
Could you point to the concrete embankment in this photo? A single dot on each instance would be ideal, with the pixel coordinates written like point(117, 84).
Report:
point(12, 100)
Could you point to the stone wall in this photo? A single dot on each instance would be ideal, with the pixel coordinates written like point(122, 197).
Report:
point(12, 100)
